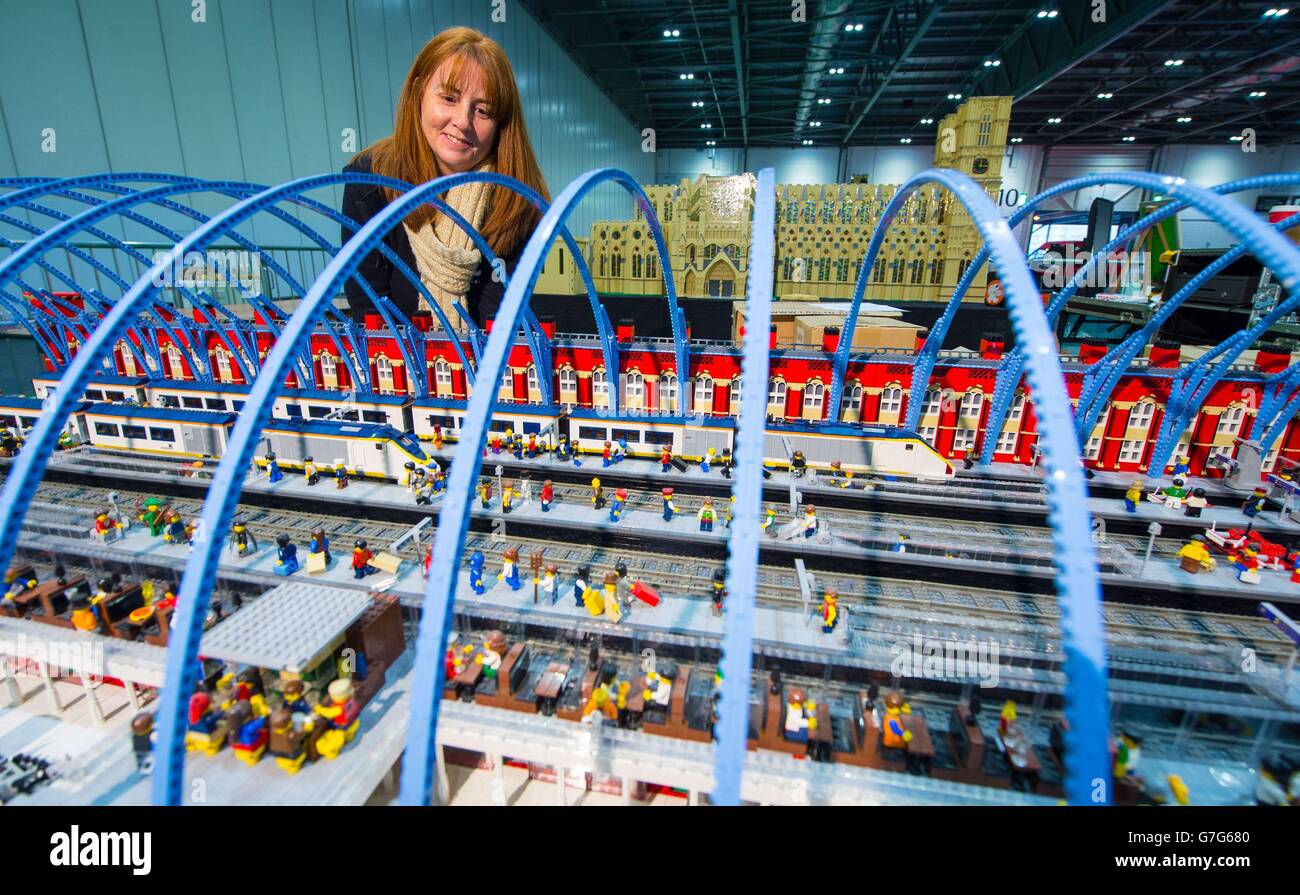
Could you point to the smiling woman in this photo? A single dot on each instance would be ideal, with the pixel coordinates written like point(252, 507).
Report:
point(459, 111)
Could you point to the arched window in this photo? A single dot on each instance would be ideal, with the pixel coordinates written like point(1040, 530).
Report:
point(568, 384)
point(933, 402)
point(1141, 414)
point(704, 394)
point(174, 365)
point(533, 384)
point(384, 370)
point(851, 402)
point(599, 388)
point(986, 129)
point(971, 404)
point(668, 392)
point(224, 372)
point(733, 396)
point(329, 370)
point(1230, 420)
point(891, 400)
point(636, 266)
point(442, 377)
point(776, 393)
point(814, 394)
point(128, 359)
point(635, 396)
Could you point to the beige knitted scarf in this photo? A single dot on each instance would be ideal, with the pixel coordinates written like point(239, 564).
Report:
point(444, 254)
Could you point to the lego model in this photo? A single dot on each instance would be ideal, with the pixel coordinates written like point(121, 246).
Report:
point(286, 562)
point(616, 508)
point(706, 515)
point(547, 496)
point(242, 541)
point(361, 556)
point(510, 568)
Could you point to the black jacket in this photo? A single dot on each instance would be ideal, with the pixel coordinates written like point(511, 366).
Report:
point(361, 202)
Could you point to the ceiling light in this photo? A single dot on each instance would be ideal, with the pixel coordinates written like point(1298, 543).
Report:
point(814, 124)
point(690, 76)
point(1017, 139)
point(1256, 94)
point(1173, 62)
point(1129, 139)
point(672, 32)
point(927, 121)
point(905, 140)
point(706, 125)
point(1105, 95)
point(992, 63)
point(1275, 13)
point(1237, 139)
point(954, 96)
point(712, 143)
point(1046, 14)
point(1053, 121)
point(854, 27)
point(835, 71)
point(1185, 119)
point(807, 142)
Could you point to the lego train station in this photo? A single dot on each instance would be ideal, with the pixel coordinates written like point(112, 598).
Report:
point(687, 481)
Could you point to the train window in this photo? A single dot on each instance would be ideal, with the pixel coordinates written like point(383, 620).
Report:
point(94, 394)
point(294, 411)
point(446, 422)
point(160, 434)
point(115, 396)
point(29, 421)
point(908, 447)
point(107, 429)
point(354, 416)
point(8, 421)
point(628, 435)
point(379, 445)
point(130, 431)
point(593, 432)
point(169, 400)
point(499, 426)
point(660, 438)
point(237, 405)
point(316, 412)
point(193, 403)
point(374, 416)
point(215, 403)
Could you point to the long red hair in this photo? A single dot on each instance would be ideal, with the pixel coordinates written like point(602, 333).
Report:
point(406, 154)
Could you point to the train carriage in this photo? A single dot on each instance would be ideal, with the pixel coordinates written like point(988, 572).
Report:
point(185, 395)
point(316, 404)
point(367, 449)
point(449, 414)
point(19, 413)
point(158, 430)
point(103, 388)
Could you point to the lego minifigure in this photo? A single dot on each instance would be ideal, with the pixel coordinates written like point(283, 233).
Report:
point(9, 443)
point(142, 740)
point(476, 572)
point(666, 458)
point(719, 590)
point(273, 472)
point(809, 521)
point(620, 450)
point(706, 515)
point(320, 544)
point(66, 441)
point(612, 610)
point(427, 561)
point(1246, 561)
point(16, 585)
point(769, 521)
point(547, 495)
point(106, 528)
point(340, 475)
point(176, 531)
point(241, 539)
point(900, 546)
point(485, 493)
point(597, 494)
point(968, 460)
point(706, 460)
point(726, 463)
point(340, 710)
point(562, 448)
point(437, 438)
point(602, 700)
point(1255, 503)
point(1195, 503)
point(580, 585)
point(731, 509)
point(295, 698)
point(1270, 788)
point(605, 456)
point(439, 478)
point(547, 584)
point(797, 721)
point(1133, 495)
point(798, 465)
point(287, 744)
point(830, 610)
point(422, 488)
point(510, 568)
point(507, 494)
point(496, 443)
point(1127, 755)
point(669, 507)
point(154, 516)
point(616, 508)
point(1194, 556)
point(532, 445)
point(286, 562)
point(206, 730)
point(309, 471)
point(451, 662)
point(1007, 717)
point(1182, 466)
point(361, 556)
point(893, 733)
point(659, 685)
point(494, 650)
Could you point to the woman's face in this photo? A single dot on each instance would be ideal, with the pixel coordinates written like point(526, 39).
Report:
point(460, 125)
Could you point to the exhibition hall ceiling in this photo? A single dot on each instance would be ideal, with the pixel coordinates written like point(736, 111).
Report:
point(782, 73)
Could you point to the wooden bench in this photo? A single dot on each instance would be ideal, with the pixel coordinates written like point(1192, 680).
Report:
point(550, 686)
point(514, 667)
point(967, 741)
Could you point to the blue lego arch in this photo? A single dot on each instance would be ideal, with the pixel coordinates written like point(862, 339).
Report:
point(418, 762)
point(732, 728)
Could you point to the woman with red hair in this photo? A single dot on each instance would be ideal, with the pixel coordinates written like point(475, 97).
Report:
point(459, 111)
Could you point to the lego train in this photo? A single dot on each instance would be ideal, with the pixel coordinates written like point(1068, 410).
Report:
point(310, 422)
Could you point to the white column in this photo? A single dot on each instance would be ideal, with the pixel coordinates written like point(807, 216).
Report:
point(49, 687)
point(12, 690)
point(498, 780)
point(95, 711)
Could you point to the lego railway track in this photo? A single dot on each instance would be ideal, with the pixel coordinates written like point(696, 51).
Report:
point(1031, 617)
